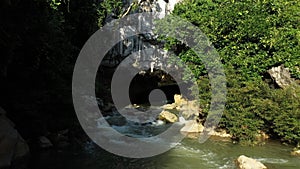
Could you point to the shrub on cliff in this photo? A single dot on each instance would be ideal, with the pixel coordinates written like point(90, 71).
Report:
point(251, 37)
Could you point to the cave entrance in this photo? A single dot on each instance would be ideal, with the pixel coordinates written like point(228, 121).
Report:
point(153, 88)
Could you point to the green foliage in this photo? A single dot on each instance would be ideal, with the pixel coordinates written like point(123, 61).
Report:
point(280, 110)
point(54, 4)
point(40, 41)
point(251, 37)
point(109, 7)
point(254, 107)
point(193, 62)
point(238, 117)
point(204, 94)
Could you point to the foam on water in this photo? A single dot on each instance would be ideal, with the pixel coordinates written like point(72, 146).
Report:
point(272, 160)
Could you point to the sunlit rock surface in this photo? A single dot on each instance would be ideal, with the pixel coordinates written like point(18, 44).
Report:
point(296, 153)
point(189, 109)
point(168, 116)
point(191, 126)
point(244, 162)
point(220, 133)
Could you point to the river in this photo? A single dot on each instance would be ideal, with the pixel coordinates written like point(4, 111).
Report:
point(188, 154)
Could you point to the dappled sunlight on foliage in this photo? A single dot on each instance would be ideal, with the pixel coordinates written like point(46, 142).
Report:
point(251, 37)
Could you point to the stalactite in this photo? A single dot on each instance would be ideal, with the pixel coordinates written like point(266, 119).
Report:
point(141, 42)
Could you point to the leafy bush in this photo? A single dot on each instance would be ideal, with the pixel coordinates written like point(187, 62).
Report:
point(280, 111)
point(251, 37)
point(256, 107)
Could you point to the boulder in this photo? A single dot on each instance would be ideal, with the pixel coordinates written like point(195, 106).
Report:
point(296, 153)
point(189, 109)
point(13, 148)
point(168, 116)
point(281, 76)
point(179, 100)
point(169, 106)
point(244, 162)
point(44, 142)
point(191, 126)
point(219, 133)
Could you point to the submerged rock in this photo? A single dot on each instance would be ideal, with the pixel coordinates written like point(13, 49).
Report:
point(244, 162)
point(168, 116)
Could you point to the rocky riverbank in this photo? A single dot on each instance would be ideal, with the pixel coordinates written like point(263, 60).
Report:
point(14, 150)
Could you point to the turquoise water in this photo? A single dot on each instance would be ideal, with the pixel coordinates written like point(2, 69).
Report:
point(189, 154)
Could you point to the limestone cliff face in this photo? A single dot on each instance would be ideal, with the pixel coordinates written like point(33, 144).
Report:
point(142, 51)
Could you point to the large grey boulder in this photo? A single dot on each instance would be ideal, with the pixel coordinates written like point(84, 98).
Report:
point(281, 76)
point(244, 162)
point(13, 147)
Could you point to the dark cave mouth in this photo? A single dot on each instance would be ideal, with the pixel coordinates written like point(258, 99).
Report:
point(146, 88)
